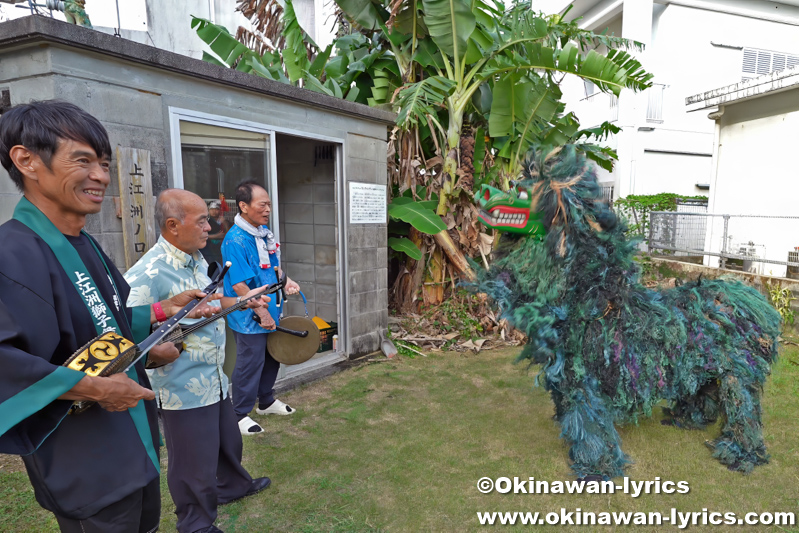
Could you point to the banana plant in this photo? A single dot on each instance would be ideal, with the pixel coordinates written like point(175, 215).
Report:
point(229, 52)
point(362, 69)
point(524, 99)
point(415, 213)
point(516, 61)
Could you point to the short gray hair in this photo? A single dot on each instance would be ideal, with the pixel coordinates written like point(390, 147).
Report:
point(166, 208)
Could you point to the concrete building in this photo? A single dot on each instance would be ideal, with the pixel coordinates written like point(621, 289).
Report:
point(691, 45)
point(756, 125)
point(207, 128)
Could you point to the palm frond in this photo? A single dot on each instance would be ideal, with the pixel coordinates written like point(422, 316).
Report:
point(266, 18)
point(422, 98)
point(619, 70)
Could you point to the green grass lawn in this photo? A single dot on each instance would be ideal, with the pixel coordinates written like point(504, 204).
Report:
point(399, 446)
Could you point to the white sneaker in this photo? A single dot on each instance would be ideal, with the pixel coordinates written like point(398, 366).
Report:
point(277, 408)
point(248, 426)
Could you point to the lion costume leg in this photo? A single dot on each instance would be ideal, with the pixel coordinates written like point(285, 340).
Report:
point(558, 399)
point(740, 446)
point(587, 424)
point(697, 411)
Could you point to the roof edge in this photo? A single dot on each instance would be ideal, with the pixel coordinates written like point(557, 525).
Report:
point(34, 28)
point(745, 90)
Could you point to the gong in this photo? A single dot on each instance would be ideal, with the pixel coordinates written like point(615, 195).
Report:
point(295, 341)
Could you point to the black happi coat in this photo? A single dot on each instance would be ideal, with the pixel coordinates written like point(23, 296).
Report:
point(77, 464)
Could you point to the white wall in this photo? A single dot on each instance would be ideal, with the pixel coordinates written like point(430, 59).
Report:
point(169, 24)
point(550, 6)
point(684, 58)
point(681, 57)
point(758, 174)
point(679, 172)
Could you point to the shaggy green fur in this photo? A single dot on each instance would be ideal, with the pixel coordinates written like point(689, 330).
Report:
point(611, 349)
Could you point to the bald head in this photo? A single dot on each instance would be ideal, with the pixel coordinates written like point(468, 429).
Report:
point(182, 217)
point(170, 204)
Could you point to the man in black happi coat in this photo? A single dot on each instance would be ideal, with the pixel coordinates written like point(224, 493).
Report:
point(98, 470)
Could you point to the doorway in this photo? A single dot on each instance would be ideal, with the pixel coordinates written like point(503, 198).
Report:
point(301, 175)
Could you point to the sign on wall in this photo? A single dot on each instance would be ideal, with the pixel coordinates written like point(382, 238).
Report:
point(367, 203)
point(136, 196)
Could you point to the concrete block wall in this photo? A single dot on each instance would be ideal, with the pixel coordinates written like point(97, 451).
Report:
point(307, 208)
point(132, 118)
point(21, 73)
point(366, 249)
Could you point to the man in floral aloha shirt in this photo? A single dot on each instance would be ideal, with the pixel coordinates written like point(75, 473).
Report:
point(203, 442)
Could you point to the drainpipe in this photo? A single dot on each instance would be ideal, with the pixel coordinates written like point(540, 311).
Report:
point(211, 11)
point(714, 179)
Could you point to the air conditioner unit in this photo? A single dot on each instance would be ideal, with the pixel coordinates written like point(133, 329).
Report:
point(750, 252)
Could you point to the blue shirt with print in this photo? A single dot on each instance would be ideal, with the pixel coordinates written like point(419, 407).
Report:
point(240, 249)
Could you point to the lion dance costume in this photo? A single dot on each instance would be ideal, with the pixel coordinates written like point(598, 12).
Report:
point(611, 349)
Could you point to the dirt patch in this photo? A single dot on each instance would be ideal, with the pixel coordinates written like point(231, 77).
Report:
point(11, 463)
point(294, 431)
point(385, 392)
point(390, 418)
point(311, 395)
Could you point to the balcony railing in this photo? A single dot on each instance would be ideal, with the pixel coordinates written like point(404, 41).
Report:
point(654, 108)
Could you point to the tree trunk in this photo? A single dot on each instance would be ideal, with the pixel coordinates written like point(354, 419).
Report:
point(456, 257)
point(433, 289)
point(407, 286)
point(466, 168)
point(448, 174)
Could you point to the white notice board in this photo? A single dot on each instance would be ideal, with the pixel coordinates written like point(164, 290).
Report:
point(367, 203)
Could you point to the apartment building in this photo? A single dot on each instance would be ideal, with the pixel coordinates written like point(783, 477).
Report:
point(691, 46)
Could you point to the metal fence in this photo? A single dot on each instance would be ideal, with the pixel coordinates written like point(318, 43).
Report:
point(607, 193)
point(752, 243)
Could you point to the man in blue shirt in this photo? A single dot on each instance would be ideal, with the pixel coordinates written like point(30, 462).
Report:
point(202, 441)
point(255, 255)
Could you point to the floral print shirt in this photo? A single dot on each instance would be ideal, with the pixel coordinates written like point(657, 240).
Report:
point(196, 378)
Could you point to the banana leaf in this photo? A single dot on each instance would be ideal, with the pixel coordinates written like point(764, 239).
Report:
point(227, 49)
point(365, 12)
point(450, 23)
point(405, 246)
point(420, 217)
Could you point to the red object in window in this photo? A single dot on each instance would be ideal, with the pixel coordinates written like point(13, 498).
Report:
point(223, 207)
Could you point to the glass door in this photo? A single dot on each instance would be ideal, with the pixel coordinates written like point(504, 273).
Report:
point(216, 159)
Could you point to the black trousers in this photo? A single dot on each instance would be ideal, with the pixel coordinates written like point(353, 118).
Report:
point(204, 449)
point(255, 373)
point(138, 513)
